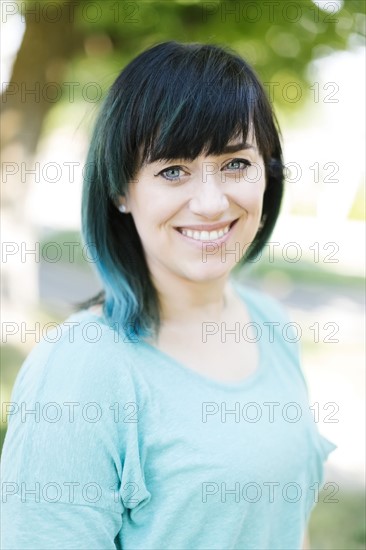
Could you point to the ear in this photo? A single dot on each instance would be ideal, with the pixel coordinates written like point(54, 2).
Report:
point(121, 204)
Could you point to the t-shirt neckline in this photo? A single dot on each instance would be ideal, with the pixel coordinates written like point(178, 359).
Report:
point(249, 380)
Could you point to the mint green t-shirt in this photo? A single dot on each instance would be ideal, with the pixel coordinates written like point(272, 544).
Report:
point(116, 445)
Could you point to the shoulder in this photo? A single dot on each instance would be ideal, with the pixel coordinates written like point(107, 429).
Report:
point(275, 325)
point(71, 416)
point(81, 356)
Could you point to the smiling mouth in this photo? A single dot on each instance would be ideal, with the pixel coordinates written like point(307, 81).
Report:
point(206, 235)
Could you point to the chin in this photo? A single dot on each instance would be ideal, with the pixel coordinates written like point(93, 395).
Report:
point(208, 272)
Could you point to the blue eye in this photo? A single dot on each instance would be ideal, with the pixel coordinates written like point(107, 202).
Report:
point(237, 162)
point(173, 173)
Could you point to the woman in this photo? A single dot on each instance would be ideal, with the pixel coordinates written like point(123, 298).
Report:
point(173, 413)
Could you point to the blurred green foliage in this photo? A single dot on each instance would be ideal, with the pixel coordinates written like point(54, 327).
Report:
point(74, 49)
point(279, 38)
point(339, 525)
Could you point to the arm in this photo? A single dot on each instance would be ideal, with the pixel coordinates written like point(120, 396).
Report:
point(59, 525)
point(47, 468)
point(61, 478)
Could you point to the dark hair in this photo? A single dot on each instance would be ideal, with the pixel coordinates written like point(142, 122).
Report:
point(171, 101)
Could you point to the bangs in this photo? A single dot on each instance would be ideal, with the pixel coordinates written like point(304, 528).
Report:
point(191, 102)
point(196, 118)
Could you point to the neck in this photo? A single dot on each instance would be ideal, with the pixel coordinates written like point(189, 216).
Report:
point(188, 303)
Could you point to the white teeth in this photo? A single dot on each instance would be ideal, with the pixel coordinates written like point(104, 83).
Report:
point(205, 235)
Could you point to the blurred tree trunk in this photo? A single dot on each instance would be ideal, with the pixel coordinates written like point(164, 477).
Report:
point(35, 82)
point(36, 79)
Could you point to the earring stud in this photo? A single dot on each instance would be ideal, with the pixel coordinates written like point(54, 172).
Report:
point(122, 208)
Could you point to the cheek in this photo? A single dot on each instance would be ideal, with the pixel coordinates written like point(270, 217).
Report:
point(251, 197)
point(151, 211)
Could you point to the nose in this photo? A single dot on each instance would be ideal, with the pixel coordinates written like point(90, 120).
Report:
point(209, 200)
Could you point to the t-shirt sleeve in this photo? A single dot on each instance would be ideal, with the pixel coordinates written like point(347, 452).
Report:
point(70, 463)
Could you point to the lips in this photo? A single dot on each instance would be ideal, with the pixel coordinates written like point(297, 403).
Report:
point(208, 227)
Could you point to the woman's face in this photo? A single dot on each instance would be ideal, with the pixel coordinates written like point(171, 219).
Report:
point(184, 211)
